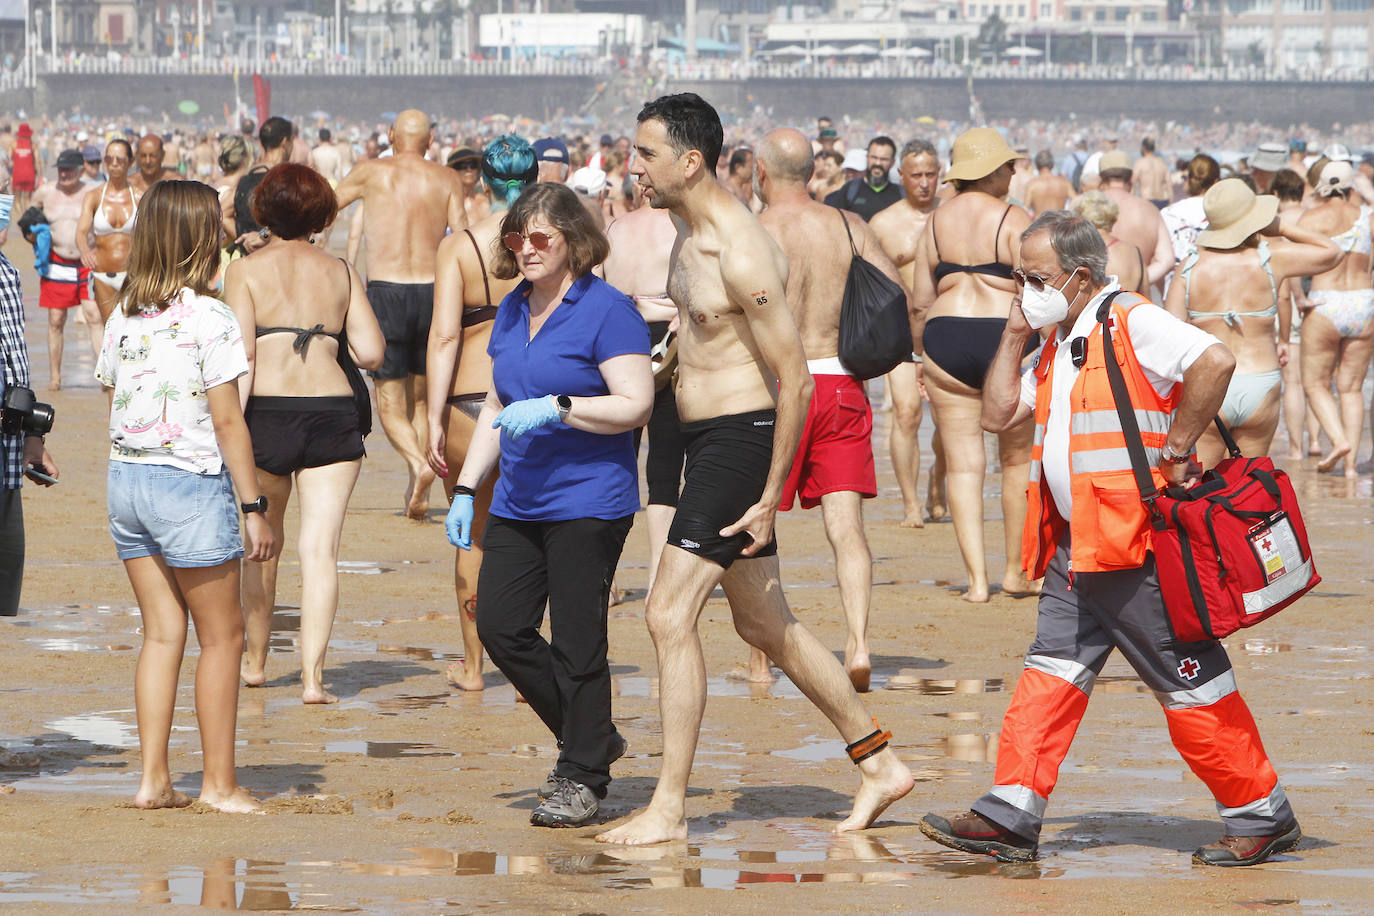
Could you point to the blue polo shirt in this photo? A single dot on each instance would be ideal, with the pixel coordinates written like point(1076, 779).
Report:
point(556, 472)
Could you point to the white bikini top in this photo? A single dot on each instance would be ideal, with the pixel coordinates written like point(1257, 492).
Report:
point(1357, 238)
point(101, 224)
point(1231, 316)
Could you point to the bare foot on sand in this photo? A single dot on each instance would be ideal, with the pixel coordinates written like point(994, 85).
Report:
point(859, 670)
point(417, 493)
point(235, 802)
point(912, 519)
point(976, 595)
point(459, 676)
point(312, 696)
point(884, 782)
point(252, 677)
point(645, 830)
point(1331, 459)
point(55, 385)
point(760, 669)
point(161, 797)
point(1016, 585)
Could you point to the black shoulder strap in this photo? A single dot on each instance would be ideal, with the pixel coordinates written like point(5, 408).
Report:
point(997, 238)
point(481, 263)
point(844, 219)
point(934, 240)
point(1135, 446)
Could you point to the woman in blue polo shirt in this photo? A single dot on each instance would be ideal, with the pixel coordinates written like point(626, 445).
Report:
point(570, 381)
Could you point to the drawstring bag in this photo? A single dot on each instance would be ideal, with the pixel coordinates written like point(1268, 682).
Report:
point(1232, 550)
point(875, 333)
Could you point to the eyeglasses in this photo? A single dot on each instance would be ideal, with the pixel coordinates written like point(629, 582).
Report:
point(469, 164)
point(515, 241)
point(115, 160)
point(1024, 279)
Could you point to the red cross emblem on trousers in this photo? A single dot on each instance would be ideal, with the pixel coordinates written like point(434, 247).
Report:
point(1188, 668)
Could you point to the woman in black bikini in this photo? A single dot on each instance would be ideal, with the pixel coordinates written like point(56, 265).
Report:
point(465, 298)
point(297, 306)
point(963, 289)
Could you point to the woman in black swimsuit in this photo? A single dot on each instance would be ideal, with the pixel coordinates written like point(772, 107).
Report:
point(962, 289)
point(465, 298)
point(298, 306)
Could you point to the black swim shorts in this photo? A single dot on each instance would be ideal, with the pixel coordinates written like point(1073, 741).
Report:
point(404, 311)
point(727, 467)
point(293, 433)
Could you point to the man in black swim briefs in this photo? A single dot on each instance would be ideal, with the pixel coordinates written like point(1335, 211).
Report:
point(408, 204)
point(742, 393)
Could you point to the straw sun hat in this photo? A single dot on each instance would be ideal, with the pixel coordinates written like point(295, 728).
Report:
point(977, 153)
point(1234, 213)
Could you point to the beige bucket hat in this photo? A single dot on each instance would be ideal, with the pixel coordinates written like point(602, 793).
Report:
point(977, 153)
point(1234, 213)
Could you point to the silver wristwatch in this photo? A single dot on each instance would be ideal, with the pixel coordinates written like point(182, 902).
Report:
point(1169, 455)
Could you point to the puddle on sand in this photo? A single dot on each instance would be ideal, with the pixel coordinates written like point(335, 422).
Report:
point(419, 653)
point(647, 687)
point(364, 567)
point(387, 750)
point(75, 645)
point(97, 729)
point(394, 706)
point(938, 687)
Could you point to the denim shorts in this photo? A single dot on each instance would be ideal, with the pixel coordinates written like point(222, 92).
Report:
point(189, 519)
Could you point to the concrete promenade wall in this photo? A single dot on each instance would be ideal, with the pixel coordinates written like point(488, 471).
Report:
point(542, 97)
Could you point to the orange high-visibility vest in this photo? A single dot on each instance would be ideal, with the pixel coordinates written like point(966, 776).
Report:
point(1109, 526)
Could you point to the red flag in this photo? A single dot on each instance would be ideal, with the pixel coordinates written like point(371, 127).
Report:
point(262, 94)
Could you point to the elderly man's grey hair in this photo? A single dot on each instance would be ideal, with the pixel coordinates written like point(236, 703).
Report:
point(1076, 242)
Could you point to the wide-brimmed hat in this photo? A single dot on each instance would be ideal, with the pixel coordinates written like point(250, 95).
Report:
point(977, 153)
point(463, 154)
point(1234, 213)
point(1269, 157)
point(1116, 159)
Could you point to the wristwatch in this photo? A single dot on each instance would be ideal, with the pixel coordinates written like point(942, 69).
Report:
point(564, 407)
point(1169, 455)
point(257, 505)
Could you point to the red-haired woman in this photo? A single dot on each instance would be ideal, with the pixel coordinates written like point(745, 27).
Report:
point(298, 306)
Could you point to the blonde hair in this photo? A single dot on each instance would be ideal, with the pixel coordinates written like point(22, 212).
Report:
point(175, 245)
point(1098, 209)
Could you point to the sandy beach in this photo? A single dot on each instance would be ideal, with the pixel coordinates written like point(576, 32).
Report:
point(410, 796)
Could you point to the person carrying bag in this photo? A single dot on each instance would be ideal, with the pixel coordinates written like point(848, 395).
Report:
point(875, 333)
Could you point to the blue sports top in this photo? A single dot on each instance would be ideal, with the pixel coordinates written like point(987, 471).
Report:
point(556, 472)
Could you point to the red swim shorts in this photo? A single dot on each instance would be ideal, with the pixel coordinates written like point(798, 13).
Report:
point(66, 286)
point(836, 450)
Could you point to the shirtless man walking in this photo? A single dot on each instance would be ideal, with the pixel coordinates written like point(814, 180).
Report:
point(65, 285)
point(408, 203)
point(148, 157)
point(1047, 191)
point(742, 393)
point(325, 159)
point(1139, 221)
point(898, 228)
point(833, 467)
point(1150, 176)
point(641, 249)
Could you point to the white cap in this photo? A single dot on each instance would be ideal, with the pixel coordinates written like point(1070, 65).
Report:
point(82, 136)
point(588, 181)
point(856, 160)
point(1338, 152)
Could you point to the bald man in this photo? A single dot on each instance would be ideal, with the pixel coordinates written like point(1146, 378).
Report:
point(833, 467)
point(148, 156)
point(408, 205)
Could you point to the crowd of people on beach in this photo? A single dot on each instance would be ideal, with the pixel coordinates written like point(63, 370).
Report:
point(531, 301)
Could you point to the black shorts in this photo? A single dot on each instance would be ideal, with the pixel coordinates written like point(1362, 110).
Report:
point(293, 433)
point(727, 467)
point(404, 311)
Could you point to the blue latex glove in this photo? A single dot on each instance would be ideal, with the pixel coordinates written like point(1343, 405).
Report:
point(458, 525)
point(520, 417)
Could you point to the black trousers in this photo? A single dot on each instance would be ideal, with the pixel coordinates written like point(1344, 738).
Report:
point(11, 551)
point(568, 565)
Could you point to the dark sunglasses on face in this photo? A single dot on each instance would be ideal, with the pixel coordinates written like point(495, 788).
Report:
point(515, 241)
point(1024, 279)
point(465, 166)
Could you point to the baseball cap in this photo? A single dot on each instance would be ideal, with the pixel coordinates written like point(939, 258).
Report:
point(588, 181)
point(607, 140)
point(82, 136)
point(1338, 152)
point(91, 154)
point(550, 149)
point(70, 159)
point(856, 160)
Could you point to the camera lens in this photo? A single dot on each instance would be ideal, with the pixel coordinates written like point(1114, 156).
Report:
point(40, 419)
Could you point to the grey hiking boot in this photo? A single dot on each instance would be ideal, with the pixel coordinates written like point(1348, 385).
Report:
point(550, 784)
point(571, 806)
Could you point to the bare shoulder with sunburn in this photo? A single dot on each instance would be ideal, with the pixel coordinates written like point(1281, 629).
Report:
point(405, 215)
point(720, 368)
point(641, 246)
point(812, 238)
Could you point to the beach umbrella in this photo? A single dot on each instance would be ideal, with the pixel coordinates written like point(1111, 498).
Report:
point(188, 106)
point(141, 109)
point(319, 115)
point(787, 51)
point(925, 119)
point(826, 50)
point(860, 50)
point(892, 52)
point(1022, 51)
point(917, 51)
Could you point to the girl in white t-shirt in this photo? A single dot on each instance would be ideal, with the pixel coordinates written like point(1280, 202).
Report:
point(179, 449)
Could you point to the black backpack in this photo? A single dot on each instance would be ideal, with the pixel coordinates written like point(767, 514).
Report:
point(243, 200)
point(875, 333)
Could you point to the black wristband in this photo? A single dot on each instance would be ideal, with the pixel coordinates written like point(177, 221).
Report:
point(460, 490)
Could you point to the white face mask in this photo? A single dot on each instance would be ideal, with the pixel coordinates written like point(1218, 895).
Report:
point(1045, 306)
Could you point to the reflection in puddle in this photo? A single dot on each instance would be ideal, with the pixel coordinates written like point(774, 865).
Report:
point(416, 652)
point(388, 750)
point(74, 645)
point(97, 730)
point(943, 687)
point(364, 567)
point(394, 706)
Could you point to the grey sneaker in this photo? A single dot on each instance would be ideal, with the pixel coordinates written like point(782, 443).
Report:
point(550, 784)
point(571, 806)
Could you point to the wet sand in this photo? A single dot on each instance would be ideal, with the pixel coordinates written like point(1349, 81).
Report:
point(410, 796)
